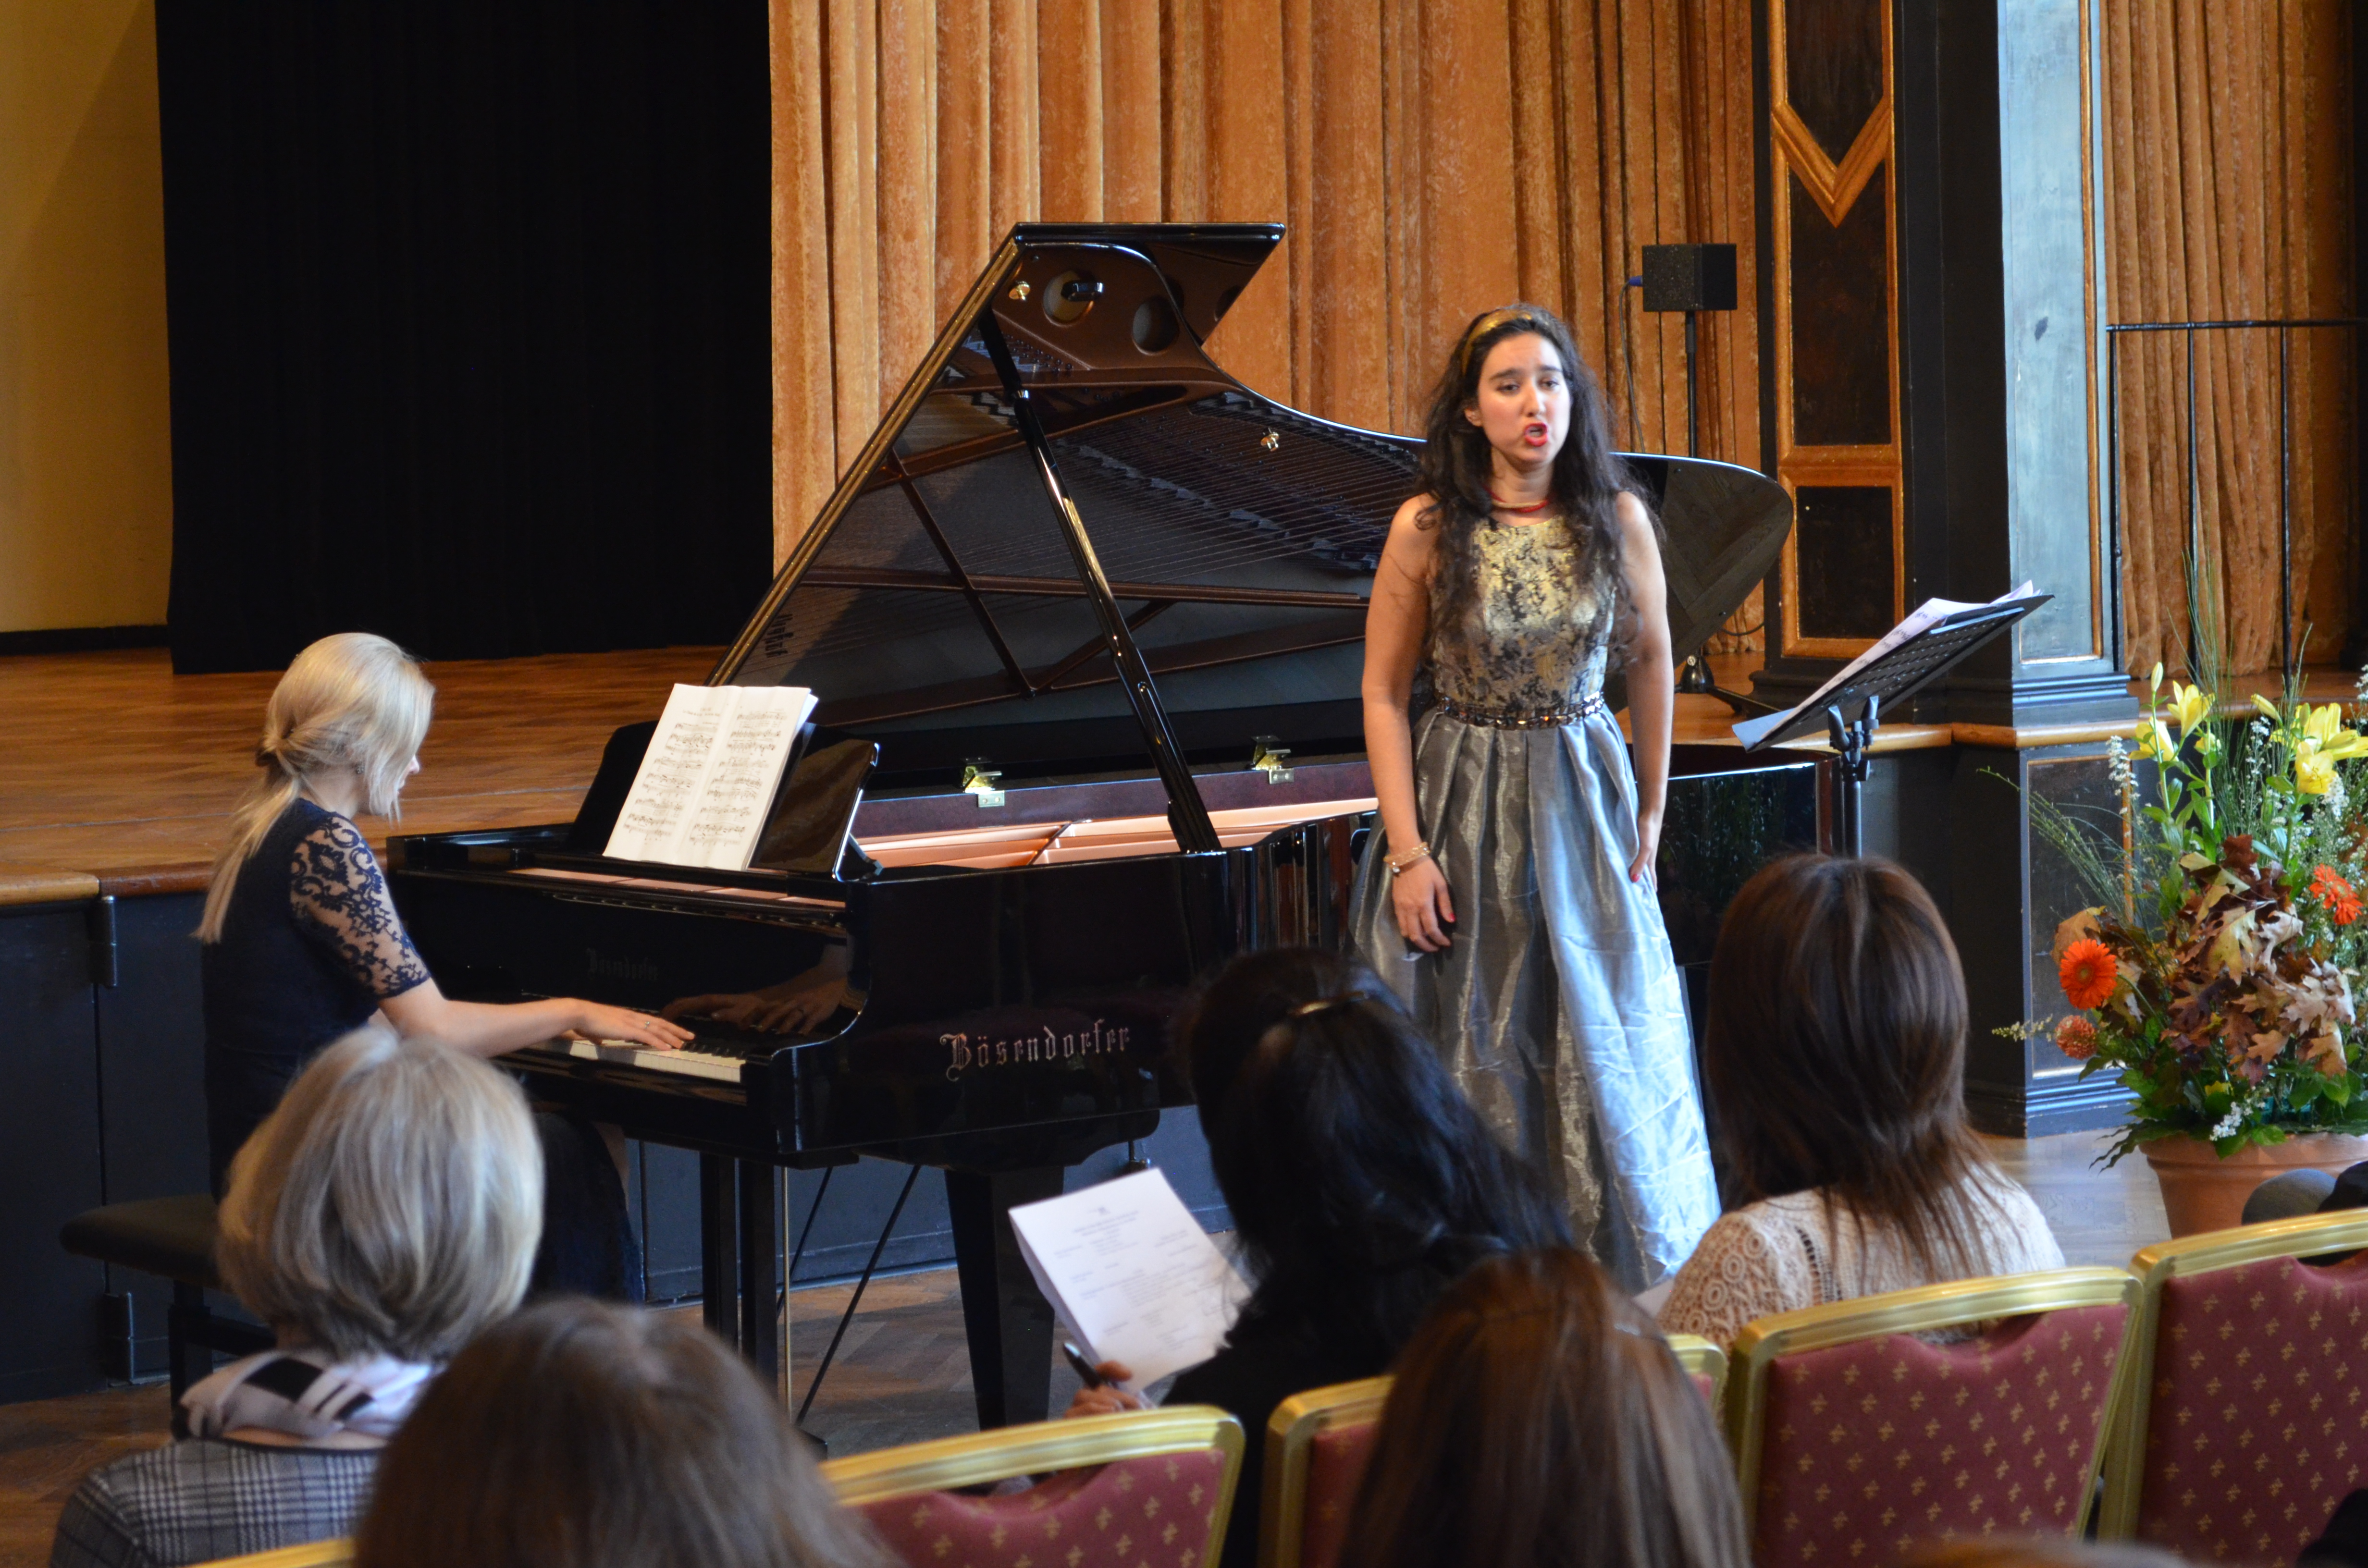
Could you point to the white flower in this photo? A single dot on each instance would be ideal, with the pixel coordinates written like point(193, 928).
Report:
point(2117, 762)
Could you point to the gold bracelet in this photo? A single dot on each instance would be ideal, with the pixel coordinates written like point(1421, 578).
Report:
point(1397, 863)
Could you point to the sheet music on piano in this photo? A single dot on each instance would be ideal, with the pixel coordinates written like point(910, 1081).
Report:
point(712, 769)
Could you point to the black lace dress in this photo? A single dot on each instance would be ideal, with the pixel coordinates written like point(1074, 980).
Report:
point(311, 945)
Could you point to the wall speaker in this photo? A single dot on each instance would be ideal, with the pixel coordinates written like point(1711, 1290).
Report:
point(1689, 277)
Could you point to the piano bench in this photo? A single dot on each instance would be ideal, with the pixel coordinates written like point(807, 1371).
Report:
point(172, 1237)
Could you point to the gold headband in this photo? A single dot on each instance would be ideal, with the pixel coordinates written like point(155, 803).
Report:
point(1501, 316)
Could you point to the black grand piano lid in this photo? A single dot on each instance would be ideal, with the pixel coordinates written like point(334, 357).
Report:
point(935, 608)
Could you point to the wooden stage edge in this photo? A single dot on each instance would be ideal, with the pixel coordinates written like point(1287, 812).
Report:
point(117, 776)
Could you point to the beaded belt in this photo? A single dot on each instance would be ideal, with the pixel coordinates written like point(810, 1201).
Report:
point(1547, 718)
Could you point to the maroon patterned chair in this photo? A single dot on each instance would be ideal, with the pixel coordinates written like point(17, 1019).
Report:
point(1318, 1445)
point(1857, 1437)
point(2250, 1421)
point(1151, 1487)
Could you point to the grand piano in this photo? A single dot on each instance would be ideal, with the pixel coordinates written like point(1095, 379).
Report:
point(1084, 617)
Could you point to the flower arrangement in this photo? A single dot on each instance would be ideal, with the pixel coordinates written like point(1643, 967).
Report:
point(2215, 975)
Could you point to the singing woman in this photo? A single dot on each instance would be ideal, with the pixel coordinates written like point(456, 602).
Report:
point(1509, 894)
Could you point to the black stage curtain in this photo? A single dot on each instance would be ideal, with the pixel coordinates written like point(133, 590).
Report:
point(468, 312)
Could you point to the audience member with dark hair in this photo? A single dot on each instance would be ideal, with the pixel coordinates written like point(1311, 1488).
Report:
point(579, 1435)
point(1834, 1054)
point(1361, 1183)
point(1537, 1417)
point(378, 1220)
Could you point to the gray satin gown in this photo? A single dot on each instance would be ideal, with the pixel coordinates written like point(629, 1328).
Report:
point(1557, 1001)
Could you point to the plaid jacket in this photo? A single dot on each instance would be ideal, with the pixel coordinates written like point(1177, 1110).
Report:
point(195, 1501)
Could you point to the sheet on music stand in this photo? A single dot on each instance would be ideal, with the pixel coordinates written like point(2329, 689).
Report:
point(710, 772)
point(1922, 618)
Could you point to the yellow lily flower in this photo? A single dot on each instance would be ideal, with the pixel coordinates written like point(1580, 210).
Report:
point(2190, 705)
point(2154, 741)
point(2267, 707)
point(2154, 682)
point(2324, 731)
point(2314, 771)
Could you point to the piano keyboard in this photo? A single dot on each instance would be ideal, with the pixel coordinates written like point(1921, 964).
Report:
point(689, 1063)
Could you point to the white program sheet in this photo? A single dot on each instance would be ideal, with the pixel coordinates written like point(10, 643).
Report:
point(1131, 1274)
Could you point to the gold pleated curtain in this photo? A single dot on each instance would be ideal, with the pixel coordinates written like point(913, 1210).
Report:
point(1433, 158)
point(2229, 130)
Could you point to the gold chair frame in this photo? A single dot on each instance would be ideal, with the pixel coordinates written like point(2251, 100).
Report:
point(1045, 1446)
point(312, 1554)
point(2306, 1236)
point(1290, 1435)
point(1957, 1304)
point(1700, 1358)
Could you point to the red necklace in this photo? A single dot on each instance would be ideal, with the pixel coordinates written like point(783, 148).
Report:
point(1519, 511)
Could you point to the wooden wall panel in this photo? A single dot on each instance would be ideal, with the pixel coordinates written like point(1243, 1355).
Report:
point(1433, 158)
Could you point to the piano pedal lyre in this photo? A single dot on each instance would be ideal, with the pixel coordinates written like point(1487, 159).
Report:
point(979, 781)
point(1271, 758)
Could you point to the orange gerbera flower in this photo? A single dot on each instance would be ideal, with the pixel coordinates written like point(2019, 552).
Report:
point(2341, 900)
point(2087, 972)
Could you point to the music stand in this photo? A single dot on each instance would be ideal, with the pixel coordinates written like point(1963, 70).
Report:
point(1898, 675)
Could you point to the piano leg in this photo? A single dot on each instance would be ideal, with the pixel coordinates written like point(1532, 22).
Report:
point(719, 1246)
point(1008, 1319)
point(737, 1262)
point(759, 1338)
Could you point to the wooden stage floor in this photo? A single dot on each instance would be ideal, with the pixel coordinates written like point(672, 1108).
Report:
point(113, 766)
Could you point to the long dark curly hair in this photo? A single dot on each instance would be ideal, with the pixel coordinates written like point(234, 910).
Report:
point(1362, 1181)
point(1456, 463)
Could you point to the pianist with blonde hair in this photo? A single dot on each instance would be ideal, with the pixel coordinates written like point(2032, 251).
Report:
point(303, 943)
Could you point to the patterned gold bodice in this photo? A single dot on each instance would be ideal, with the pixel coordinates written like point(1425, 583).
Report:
point(1539, 641)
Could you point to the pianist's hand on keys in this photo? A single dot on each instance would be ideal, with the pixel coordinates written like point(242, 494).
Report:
point(605, 1025)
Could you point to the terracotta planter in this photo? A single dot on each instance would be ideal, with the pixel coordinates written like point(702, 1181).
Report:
point(2201, 1191)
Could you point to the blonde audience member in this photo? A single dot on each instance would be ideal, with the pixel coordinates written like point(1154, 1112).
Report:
point(1834, 1054)
point(579, 1435)
point(1538, 1419)
point(378, 1220)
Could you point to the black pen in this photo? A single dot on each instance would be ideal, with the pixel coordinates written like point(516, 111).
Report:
point(1079, 1365)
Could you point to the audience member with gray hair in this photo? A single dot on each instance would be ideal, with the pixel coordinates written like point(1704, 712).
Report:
point(378, 1221)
